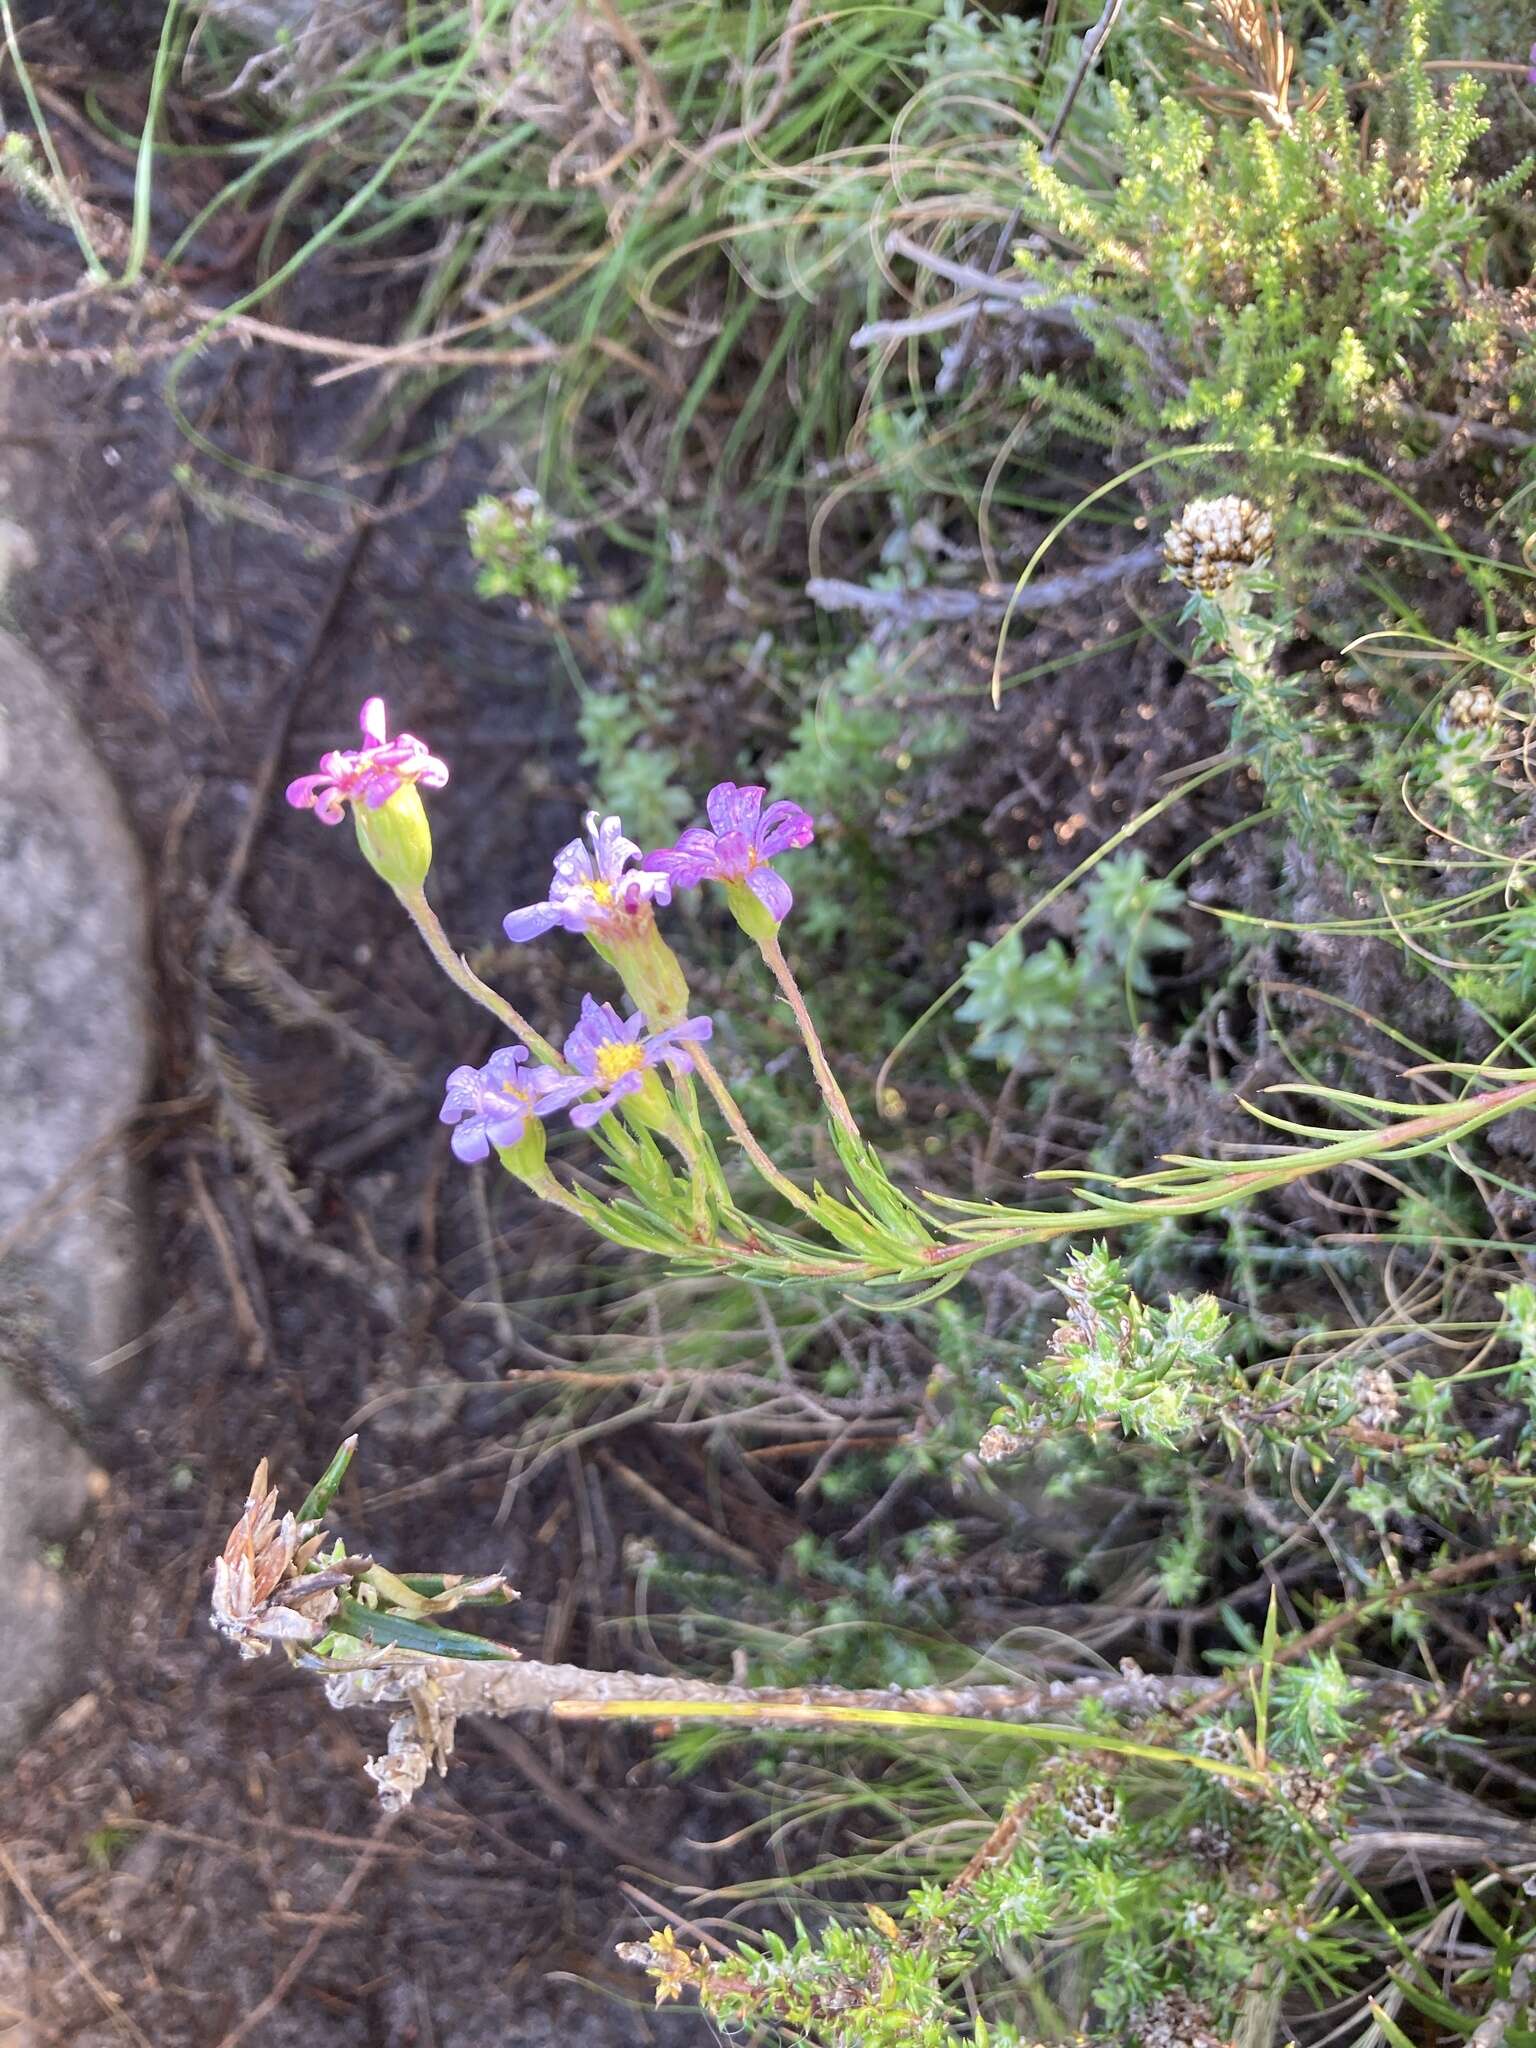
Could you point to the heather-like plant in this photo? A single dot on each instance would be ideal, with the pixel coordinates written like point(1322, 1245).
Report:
point(1260, 271)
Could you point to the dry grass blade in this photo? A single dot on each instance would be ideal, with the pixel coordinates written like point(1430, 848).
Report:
point(1242, 43)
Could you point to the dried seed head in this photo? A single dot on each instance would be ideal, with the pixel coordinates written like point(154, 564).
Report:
point(1310, 1794)
point(1090, 1813)
point(1376, 1398)
point(258, 1595)
point(1219, 1742)
point(1000, 1443)
point(1215, 541)
point(1175, 2021)
point(1472, 708)
point(1210, 1842)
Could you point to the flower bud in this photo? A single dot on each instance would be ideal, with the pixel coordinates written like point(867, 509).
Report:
point(396, 838)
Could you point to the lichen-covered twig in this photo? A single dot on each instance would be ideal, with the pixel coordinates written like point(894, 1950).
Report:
point(431, 1693)
point(938, 606)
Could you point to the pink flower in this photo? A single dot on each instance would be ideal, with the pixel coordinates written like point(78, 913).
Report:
point(371, 775)
point(744, 839)
point(595, 890)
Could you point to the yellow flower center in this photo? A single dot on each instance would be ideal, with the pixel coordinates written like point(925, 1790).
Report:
point(614, 1061)
point(601, 892)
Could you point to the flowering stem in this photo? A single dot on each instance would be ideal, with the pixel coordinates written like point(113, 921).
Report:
point(702, 1160)
point(743, 1133)
point(548, 1189)
point(459, 971)
point(826, 1080)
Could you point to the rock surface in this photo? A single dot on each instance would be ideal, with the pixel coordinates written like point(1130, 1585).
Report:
point(74, 1055)
point(74, 1045)
point(46, 1486)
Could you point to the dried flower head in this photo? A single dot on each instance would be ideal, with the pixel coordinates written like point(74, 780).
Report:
point(1376, 1398)
point(1209, 1842)
point(1000, 1443)
point(1215, 540)
point(1219, 1742)
point(262, 1592)
point(1310, 1795)
point(1090, 1813)
point(1175, 2020)
point(1473, 708)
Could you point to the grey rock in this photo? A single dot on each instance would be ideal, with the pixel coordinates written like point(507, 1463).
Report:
point(74, 1048)
point(46, 1486)
point(74, 1055)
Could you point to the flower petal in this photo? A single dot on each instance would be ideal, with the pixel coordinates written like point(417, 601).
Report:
point(734, 808)
point(613, 851)
point(772, 891)
point(505, 1124)
point(372, 719)
point(784, 825)
point(304, 792)
point(469, 1141)
point(682, 870)
point(522, 925)
point(504, 1065)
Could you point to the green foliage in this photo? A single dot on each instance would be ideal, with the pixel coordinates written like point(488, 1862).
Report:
point(1035, 1009)
point(512, 540)
point(1156, 1373)
point(1028, 1005)
point(633, 772)
point(1267, 284)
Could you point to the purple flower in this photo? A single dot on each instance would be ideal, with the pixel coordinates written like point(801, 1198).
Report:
point(615, 1054)
point(491, 1105)
point(371, 775)
point(591, 892)
point(744, 839)
point(1530, 72)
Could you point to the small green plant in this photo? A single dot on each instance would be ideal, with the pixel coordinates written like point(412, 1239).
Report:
point(512, 539)
point(1036, 1008)
point(1156, 1373)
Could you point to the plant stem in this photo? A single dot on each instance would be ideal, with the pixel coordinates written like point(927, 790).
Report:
point(743, 1133)
point(826, 1080)
point(548, 1189)
point(462, 975)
